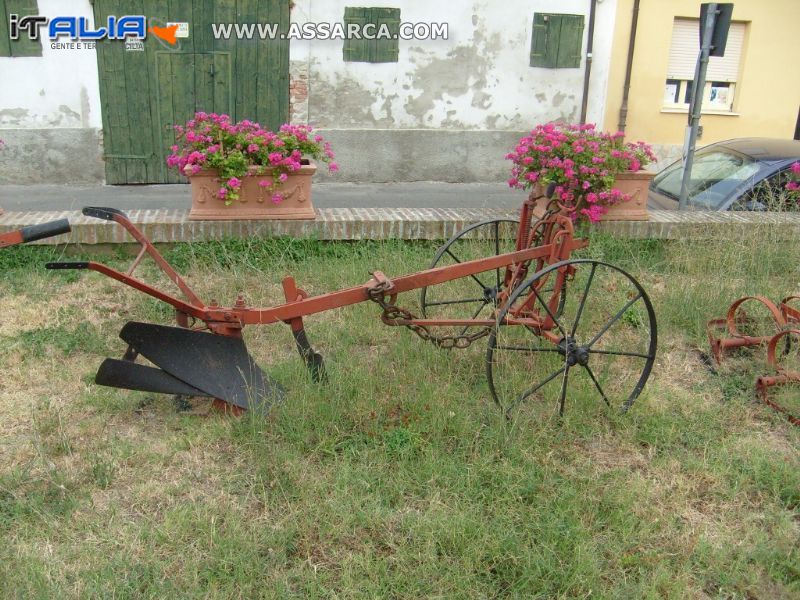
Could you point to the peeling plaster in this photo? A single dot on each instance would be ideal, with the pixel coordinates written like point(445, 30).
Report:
point(13, 116)
point(480, 78)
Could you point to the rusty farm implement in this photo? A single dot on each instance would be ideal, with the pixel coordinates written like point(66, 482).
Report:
point(756, 321)
point(557, 328)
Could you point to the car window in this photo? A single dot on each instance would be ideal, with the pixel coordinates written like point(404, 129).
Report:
point(716, 174)
point(768, 194)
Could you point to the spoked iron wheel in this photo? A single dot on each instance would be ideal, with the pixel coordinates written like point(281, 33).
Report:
point(475, 296)
point(601, 344)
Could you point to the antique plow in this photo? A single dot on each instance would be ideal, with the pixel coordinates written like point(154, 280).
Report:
point(765, 324)
point(556, 327)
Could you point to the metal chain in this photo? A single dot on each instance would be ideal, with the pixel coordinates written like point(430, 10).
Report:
point(396, 316)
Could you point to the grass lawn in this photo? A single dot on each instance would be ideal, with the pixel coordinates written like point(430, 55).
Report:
point(399, 477)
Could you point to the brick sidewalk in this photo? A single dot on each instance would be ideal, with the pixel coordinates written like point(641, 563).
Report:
point(172, 225)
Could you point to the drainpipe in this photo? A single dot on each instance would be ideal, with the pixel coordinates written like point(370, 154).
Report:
point(623, 109)
point(588, 68)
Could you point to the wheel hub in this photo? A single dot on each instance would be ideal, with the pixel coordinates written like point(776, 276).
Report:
point(575, 354)
point(490, 294)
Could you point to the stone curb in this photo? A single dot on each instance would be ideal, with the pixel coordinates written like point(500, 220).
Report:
point(171, 225)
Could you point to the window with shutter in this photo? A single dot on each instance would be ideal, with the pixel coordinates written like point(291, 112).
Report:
point(556, 41)
point(372, 50)
point(24, 46)
point(721, 75)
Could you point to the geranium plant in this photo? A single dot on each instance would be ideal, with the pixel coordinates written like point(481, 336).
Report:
point(211, 141)
point(582, 163)
point(793, 185)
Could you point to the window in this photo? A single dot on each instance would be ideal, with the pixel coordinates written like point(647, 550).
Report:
point(768, 194)
point(721, 75)
point(376, 50)
point(24, 46)
point(556, 41)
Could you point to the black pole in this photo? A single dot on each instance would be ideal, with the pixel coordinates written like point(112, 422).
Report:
point(623, 109)
point(588, 69)
point(697, 102)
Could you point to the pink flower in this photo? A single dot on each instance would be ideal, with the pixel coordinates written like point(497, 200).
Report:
point(264, 183)
point(222, 193)
point(234, 183)
point(252, 148)
point(333, 167)
point(283, 177)
point(277, 198)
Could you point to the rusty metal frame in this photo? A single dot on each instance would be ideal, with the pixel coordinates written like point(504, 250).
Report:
point(230, 320)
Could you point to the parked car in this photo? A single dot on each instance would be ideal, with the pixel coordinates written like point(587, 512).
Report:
point(738, 174)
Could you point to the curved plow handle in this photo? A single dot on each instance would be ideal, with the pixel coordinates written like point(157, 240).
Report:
point(34, 232)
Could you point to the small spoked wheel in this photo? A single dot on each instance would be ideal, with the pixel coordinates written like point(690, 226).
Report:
point(474, 296)
point(549, 348)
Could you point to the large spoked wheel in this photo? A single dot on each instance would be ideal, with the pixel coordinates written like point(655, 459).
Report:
point(475, 296)
point(601, 344)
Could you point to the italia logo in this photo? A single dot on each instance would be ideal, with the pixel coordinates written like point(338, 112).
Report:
point(79, 28)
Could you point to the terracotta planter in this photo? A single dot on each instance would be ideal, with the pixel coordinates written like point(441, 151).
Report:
point(634, 183)
point(254, 201)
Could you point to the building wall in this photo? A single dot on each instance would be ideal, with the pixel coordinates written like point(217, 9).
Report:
point(767, 93)
point(448, 110)
point(50, 112)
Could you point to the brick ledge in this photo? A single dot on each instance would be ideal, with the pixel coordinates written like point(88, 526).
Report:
point(172, 225)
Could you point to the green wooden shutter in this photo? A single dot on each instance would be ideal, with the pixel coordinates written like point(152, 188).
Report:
point(5, 45)
point(355, 50)
point(385, 50)
point(556, 41)
point(24, 46)
point(377, 50)
point(570, 42)
point(539, 57)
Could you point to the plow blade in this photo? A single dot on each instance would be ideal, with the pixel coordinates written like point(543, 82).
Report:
point(208, 364)
point(131, 376)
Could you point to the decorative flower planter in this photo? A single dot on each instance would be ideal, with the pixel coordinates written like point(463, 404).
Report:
point(255, 202)
point(633, 183)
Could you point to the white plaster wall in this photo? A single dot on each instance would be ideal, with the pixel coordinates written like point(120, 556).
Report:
point(478, 79)
point(59, 89)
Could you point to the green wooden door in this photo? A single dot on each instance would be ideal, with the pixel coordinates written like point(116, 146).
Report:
point(144, 93)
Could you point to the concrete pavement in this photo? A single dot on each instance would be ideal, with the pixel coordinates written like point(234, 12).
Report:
point(27, 198)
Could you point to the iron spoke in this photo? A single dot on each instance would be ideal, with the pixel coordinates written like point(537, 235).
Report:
point(597, 385)
point(617, 353)
point(477, 312)
point(455, 258)
point(583, 300)
point(614, 319)
point(465, 301)
point(563, 392)
point(528, 349)
point(549, 312)
point(536, 388)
